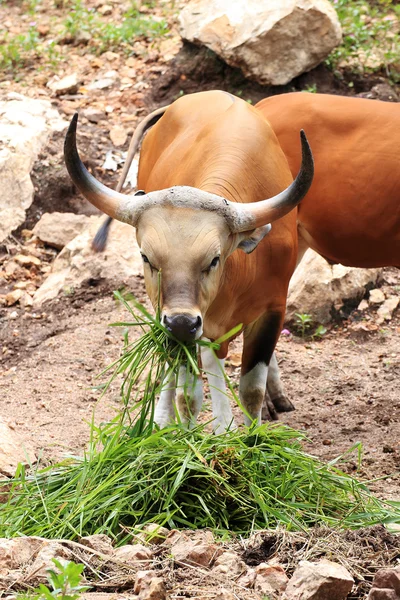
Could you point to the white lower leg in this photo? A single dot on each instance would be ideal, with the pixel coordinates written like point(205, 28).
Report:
point(275, 388)
point(222, 411)
point(189, 396)
point(252, 392)
point(274, 383)
point(164, 412)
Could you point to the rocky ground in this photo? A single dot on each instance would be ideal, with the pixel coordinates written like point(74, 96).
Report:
point(162, 564)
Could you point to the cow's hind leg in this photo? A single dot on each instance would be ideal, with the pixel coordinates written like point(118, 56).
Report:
point(258, 347)
point(275, 388)
point(189, 396)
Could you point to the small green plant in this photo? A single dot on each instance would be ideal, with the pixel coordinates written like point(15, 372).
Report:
point(311, 89)
point(371, 40)
point(303, 322)
point(319, 332)
point(66, 583)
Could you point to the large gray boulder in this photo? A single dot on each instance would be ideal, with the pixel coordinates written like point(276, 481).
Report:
point(271, 42)
point(25, 127)
point(317, 287)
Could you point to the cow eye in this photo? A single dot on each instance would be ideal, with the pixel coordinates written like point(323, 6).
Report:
point(145, 259)
point(212, 264)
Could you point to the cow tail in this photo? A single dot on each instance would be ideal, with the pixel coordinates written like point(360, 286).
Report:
point(100, 240)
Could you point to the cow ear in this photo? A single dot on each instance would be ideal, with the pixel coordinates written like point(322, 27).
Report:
point(250, 239)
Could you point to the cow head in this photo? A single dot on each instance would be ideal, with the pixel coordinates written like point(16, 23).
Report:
point(187, 234)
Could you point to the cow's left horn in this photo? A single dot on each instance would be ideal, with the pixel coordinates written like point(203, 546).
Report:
point(110, 202)
point(260, 213)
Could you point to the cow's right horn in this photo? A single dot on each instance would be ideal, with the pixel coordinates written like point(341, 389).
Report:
point(107, 200)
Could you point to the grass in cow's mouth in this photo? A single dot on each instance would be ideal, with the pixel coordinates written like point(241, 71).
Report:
point(133, 473)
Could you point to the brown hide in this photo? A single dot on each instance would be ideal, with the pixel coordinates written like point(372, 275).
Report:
point(221, 145)
point(351, 215)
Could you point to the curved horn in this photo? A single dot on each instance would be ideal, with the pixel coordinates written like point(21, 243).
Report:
point(105, 199)
point(260, 213)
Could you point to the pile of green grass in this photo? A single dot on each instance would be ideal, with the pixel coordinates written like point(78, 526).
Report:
point(133, 473)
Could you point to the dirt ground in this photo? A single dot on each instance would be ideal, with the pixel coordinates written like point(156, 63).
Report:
point(345, 386)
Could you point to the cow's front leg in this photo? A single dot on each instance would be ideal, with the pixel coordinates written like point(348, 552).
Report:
point(164, 413)
point(258, 346)
point(189, 396)
point(275, 389)
point(213, 367)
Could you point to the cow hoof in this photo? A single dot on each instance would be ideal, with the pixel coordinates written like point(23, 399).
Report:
point(282, 404)
point(268, 412)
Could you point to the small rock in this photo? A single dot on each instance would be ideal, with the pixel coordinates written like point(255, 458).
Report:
point(66, 85)
point(118, 136)
point(229, 563)
point(247, 580)
point(132, 553)
point(58, 229)
point(319, 581)
point(270, 580)
point(42, 29)
point(376, 296)
point(149, 586)
point(386, 310)
point(26, 260)
point(388, 579)
point(106, 9)
point(13, 316)
point(26, 300)
point(382, 594)
point(143, 579)
point(363, 305)
point(14, 553)
point(99, 542)
point(44, 561)
point(101, 84)
point(11, 267)
point(93, 115)
point(153, 533)
point(195, 553)
point(13, 297)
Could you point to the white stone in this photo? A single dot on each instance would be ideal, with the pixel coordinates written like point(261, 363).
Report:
point(77, 262)
point(324, 580)
point(68, 84)
point(57, 229)
point(13, 450)
point(376, 297)
point(272, 42)
point(386, 310)
point(316, 287)
point(25, 127)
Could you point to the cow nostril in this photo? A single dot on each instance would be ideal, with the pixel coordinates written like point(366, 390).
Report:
point(183, 326)
point(196, 324)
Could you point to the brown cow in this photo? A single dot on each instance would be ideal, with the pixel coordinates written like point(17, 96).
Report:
point(206, 167)
point(351, 215)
